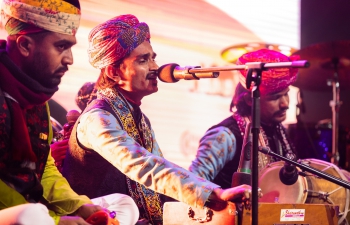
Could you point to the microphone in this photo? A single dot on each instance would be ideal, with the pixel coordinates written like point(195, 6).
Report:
point(172, 72)
point(289, 173)
point(72, 116)
point(243, 174)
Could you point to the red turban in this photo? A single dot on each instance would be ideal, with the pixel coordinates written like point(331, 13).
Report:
point(272, 80)
point(115, 39)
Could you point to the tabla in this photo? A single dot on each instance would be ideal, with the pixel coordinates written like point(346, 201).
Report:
point(307, 189)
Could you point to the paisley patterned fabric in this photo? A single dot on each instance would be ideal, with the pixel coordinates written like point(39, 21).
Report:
point(141, 133)
point(272, 80)
point(26, 181)
point(56, 16)
point(137, 155)
point(115, 39)
point(220, 148)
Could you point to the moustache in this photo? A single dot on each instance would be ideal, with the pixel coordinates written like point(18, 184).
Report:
point(282, 111)
point(62, 70)
point(152, 75)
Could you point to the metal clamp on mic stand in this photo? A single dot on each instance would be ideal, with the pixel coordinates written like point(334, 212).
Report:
point(254, 76)
point(312, 170)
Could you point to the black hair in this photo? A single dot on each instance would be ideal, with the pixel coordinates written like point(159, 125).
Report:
point(74, 2)
point(239, 101)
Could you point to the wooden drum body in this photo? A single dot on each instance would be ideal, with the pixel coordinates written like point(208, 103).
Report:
point(308, 189)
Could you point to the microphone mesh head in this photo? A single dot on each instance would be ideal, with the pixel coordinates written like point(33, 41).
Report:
point(166, 73)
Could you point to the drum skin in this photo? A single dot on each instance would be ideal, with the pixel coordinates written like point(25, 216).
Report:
point(274, 190)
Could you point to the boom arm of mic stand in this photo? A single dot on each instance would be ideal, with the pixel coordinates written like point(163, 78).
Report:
point(314, 171)
point(252, 65)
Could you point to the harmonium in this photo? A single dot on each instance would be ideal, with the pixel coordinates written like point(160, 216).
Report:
point(178, 213)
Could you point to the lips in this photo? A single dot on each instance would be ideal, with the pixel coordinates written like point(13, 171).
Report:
point(152, 76)
point(61, 73)
point(282, 113)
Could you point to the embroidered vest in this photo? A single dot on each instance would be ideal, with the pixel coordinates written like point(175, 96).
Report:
point(224, 177)
point(24, 180)
point(90, 174)
point(87, 172)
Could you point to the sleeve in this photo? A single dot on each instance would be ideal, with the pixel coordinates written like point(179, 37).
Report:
point(9, 197)
point(61, 199)
point(216, 148)
point(99, 130)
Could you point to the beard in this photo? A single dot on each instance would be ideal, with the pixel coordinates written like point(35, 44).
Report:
point(38, 69)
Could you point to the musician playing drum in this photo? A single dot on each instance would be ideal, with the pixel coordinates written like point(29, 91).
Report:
point(220, 148)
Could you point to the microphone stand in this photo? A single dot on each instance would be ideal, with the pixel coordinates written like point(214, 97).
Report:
point(326, 176)
point(254, 76)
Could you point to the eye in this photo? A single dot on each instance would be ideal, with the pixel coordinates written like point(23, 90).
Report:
point(62, 47)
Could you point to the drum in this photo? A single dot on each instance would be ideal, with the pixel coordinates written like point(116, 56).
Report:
point(347, 175)
point(274, 190)
point(308, 189)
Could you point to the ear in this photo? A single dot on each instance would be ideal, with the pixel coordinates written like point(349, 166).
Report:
point(247, 98)
point(112, 73)
point(25, 45)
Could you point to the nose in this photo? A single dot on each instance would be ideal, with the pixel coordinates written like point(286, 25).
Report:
point(153, 66)
point(284, 103)
point(68, 57)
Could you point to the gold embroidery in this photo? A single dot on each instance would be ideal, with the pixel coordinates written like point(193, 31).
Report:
point(144, 197)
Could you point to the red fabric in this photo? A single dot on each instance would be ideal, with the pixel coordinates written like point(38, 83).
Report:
point(272, 80)
point(20, 141)
point(31, 29)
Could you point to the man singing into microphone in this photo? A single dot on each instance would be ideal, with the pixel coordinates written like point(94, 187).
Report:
point(220, 148)
point(112, 148)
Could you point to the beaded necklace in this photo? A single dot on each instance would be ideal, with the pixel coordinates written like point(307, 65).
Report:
point(264, 160)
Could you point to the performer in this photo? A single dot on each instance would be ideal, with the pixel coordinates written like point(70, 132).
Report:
point(112, 146)
point(85, 95)
point(32, 62)
point(220, 148)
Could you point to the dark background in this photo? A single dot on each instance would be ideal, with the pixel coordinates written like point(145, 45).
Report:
point(323, 21)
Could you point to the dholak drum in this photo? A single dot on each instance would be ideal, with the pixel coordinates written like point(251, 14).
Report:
point(274, 190)
point(309, 189)
point(347, 175)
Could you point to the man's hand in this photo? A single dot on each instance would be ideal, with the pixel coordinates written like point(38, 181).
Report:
point(72, 220)
point(59, 149)
point(236, 194)
point(87, 210)
point(219, 197)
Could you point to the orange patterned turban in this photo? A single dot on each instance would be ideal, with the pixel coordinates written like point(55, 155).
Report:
point(272, 80)
point(30, 16)
point(116, 39)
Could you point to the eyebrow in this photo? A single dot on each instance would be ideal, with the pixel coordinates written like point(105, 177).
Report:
point(147, 55)
point(65, 41)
